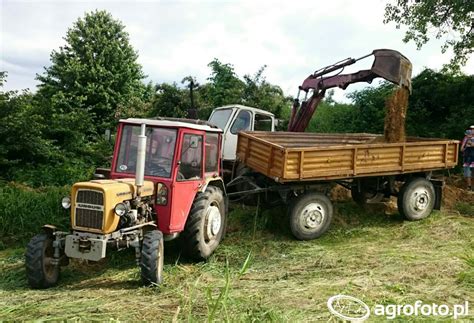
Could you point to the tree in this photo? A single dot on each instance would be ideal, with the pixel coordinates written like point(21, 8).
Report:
point(169, 101)
point(22, 140)
point(439, 18)
point(224, 85)
point(90, 77)
point(263, 95)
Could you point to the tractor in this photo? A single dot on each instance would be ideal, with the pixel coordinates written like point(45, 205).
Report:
point(164, 182)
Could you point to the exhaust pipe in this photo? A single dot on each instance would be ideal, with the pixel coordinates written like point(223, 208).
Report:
point(141, 154)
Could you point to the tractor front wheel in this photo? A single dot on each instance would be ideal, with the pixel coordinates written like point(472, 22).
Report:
point(40, 270)
point(151, 262)
point(205, 226)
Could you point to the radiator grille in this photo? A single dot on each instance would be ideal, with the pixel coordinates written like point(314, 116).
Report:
point(89, 209)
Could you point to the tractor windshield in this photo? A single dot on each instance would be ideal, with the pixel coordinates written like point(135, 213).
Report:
point(159, 151)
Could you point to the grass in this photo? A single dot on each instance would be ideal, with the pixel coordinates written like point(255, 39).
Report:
point(260, 273)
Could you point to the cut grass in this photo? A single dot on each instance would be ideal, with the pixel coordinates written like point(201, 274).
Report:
point(260, 273)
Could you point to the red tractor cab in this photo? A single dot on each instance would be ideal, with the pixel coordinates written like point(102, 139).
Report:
point(183, 162)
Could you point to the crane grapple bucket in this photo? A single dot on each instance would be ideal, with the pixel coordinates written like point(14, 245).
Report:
point(392, 66)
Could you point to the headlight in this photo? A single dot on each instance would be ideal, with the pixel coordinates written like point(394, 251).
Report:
point(161, 194)
point(121, 209)
point(66, 202)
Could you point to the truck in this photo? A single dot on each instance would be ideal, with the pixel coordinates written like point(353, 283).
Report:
point(168, 179)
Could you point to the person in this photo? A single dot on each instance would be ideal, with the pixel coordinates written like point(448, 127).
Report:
point(467, 147)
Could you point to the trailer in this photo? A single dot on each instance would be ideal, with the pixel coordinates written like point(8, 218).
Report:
point(300, 156)
point(299, 168)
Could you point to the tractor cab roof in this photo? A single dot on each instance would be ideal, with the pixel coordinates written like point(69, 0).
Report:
point(175, 123)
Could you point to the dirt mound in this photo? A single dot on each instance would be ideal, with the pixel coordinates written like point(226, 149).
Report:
point(395, 114)
point(453, 195)
point(339, 194)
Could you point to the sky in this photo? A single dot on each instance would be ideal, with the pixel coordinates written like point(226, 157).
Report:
point(175, 39)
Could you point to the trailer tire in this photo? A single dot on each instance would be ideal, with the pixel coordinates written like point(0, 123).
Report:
point(39, 270)
point(416, 199)
point(205, 225)
point(310, 215)
point(152, 258)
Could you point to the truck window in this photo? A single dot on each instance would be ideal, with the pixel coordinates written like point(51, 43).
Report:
point(241, 122)
point(220, 118)
point(190, 167)
point(212, 151)
point(262, 122)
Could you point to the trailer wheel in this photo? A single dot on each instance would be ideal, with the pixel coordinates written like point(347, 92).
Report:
point(152, 255)
point(416, 199)
point(206, 223)
point(41, 273)
point(310, 216)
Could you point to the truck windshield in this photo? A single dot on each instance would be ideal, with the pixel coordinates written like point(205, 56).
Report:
point(159, 150)
point(220, 118)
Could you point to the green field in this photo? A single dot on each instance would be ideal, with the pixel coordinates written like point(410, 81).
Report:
point(261, 273)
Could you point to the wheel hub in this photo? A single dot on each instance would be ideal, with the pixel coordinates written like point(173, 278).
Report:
point(420, 199)
point(313, 215)
point(213, 222)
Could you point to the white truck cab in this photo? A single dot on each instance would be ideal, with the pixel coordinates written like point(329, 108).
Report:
point(234, 118)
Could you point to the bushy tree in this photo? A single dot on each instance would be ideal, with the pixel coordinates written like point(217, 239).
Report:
point(169, 101)
point(89, 78)
point(452, 19)
point(224, 85)
point(263, 95)
point(22, 140)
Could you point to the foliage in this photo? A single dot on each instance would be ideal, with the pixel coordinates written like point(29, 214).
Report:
point(89, 78)
point(440, 18)
point(26, 210)
point(441, 105)
point(22, 130)
point(169, 101)
point(335, 117)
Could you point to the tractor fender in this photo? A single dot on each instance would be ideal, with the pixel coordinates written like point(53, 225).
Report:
point(214, 181)
point(49, 229)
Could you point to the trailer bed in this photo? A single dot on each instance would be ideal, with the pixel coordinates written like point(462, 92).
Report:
point(292, 156)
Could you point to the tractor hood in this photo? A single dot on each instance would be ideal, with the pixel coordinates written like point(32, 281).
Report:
point(93, 203)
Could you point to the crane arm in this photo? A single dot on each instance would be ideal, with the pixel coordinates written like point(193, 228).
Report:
point(388, 64)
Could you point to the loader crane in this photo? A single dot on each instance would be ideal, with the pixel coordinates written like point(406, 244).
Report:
point(388, 64)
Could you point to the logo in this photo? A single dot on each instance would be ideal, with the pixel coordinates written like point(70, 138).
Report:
point(352, 309)
point(90, 206)
point(348, 308)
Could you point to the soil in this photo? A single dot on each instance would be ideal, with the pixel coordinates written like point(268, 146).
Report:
point(395, 114)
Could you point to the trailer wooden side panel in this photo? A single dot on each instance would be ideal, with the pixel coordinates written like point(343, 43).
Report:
point(286, 156)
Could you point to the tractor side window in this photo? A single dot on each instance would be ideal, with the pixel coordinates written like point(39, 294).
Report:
point(242, 122)
point(190, 167)
point(262, 123)
point(212, 151)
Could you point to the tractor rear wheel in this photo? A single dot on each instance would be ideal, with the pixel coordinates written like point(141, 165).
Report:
point(205, 226)
point(151, 262)
point(40, 271)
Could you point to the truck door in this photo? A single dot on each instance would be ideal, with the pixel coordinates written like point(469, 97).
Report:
point(242, 122)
